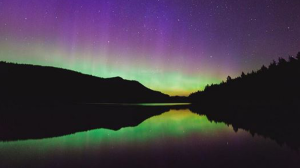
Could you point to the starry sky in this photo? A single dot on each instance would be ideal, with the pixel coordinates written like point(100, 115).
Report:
point(173, 46)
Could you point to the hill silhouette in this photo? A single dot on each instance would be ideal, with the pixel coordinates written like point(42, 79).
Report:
point(265, 102)
point(24, 84)
point(56, 120)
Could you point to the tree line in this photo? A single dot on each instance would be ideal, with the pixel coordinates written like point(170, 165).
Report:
point(279, 81)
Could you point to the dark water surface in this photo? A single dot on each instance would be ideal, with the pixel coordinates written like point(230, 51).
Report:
point(175, 138)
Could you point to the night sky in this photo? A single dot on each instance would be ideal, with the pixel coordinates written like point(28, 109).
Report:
point(173, 46)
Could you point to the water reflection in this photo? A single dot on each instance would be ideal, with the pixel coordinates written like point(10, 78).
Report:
point(178, 138)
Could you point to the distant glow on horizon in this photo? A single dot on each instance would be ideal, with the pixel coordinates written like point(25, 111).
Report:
point(176, 47)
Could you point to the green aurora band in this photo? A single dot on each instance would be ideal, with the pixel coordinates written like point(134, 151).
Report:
point(172, 124)
point(168, 80)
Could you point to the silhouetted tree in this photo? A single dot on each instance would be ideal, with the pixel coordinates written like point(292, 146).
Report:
point(206, 87)
point(298, 56)
point(272, 65)
point(243, 75)
point(263, 68)
point(281, 61)
point(292, 59)
point(229, 79)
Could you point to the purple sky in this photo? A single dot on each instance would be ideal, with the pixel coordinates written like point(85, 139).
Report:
point(175, 46)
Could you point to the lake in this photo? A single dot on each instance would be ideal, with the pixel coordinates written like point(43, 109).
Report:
point(174, 138)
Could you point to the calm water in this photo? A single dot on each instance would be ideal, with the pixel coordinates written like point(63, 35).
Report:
point(144, 104)
point(177, 138)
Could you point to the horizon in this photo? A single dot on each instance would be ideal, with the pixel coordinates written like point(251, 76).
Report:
point(175, 47)
point(183, 95)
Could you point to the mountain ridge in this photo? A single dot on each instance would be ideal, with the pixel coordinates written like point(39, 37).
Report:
point(44, 84)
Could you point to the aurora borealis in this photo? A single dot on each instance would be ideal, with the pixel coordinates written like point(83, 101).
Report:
point(173, 46)
point(177, 138)
point(174, 126)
